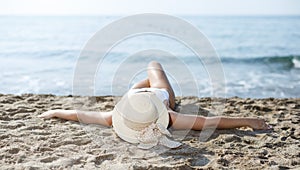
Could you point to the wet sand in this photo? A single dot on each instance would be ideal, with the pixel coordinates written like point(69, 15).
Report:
point(29, 142)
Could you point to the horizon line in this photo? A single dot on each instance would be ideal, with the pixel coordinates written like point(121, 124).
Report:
point(121, 15)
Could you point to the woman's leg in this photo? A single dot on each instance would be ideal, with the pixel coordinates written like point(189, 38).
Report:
point(142, 84)
point(158, 79)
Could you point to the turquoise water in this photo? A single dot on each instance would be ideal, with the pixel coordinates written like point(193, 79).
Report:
point(260, 55)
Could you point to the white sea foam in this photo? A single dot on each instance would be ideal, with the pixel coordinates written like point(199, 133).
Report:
point(296, 63)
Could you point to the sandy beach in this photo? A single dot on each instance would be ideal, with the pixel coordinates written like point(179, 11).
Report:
point(29, 142)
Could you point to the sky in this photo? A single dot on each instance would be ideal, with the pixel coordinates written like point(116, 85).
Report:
point(120, 7)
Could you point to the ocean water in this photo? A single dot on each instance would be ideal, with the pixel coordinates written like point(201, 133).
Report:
point(260, 56)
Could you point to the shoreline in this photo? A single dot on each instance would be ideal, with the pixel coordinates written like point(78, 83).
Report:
point(30, 142)
point(110, 95)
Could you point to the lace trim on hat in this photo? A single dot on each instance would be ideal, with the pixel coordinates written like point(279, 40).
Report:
point(156, 134)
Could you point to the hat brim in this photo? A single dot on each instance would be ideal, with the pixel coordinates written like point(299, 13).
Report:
point(131, 135)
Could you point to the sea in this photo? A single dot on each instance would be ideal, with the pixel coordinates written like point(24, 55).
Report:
point(259, 56)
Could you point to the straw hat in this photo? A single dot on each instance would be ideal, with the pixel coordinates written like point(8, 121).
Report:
point(141, 118)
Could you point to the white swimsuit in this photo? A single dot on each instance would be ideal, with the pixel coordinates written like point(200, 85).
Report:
point(162, 94)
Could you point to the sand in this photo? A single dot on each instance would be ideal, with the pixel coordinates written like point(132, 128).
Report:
point(29, 142)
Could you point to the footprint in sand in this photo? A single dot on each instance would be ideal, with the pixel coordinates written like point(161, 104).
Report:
point(13, 150)
point(101, 158)
point(48, 159)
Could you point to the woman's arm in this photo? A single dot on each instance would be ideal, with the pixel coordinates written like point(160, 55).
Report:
point(102, 118)
point(195, 122)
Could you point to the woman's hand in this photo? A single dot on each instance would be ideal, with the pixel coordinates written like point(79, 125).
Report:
point(259, 124)
point(63, 114)
point(49, 114)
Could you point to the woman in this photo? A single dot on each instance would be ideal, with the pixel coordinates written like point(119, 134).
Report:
point(158, 85)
